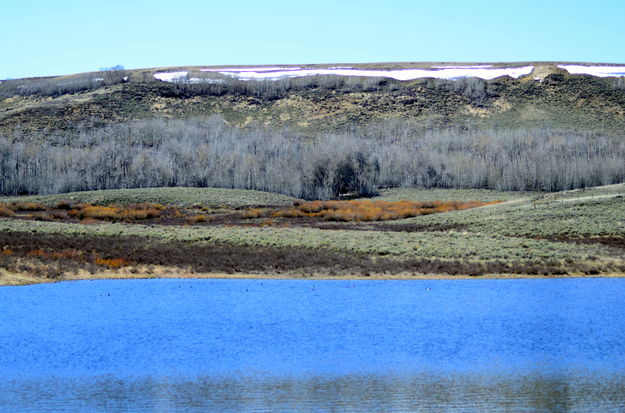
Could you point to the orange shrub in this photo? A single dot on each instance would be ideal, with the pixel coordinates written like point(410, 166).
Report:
point(64, 204)
point(199, 218)
point(69, 254)
point(89, 221)
point(114, 213)
point(99, 212)
point(6, 212)
point(146, 205)
point(112, 262)
point(368, 210)
point(57, 255)
point(139, 214)
point(314, 206)
point(288, 213)
point(28, 206)
point(266, 223)
point(253, 213)
point(52, 215)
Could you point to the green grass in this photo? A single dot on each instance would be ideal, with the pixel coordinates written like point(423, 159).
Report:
point(212, 197)
point(427, 195)
point(560, 216)
point(445, 245)
point(599, 191)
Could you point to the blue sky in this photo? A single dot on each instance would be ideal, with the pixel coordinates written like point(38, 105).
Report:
point(39, 38)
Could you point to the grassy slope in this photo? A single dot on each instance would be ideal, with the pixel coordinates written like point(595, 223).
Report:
point(562, 101)
point(522, 229)
point(593, 212)
point(211, 197)
point(426, 195)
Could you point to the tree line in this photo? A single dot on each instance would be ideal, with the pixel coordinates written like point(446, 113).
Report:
point(215, 84)
point(209, 152)
point(60, 85)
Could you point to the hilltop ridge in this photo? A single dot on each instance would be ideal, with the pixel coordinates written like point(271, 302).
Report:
point(545, 96)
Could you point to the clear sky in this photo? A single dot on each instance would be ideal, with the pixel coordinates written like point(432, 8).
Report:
point(48, 37)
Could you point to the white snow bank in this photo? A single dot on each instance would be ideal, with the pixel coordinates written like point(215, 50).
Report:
point(463, 67)
point(205, 80)
point(170, 76)
point(250, 69)
point(400, 74)
point(599, 71)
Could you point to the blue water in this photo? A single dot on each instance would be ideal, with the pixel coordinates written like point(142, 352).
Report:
point(275, 345)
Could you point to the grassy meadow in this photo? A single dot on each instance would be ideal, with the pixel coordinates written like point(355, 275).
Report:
point(210, 197)
point(195, 232)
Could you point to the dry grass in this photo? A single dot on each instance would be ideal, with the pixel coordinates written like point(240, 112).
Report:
point(368, 210)
point(64, 210)
point(68, 254)
point(253, 213)
point(72, 254)
point(146, 206)
point(112, 262)
point(198, 218)
point(64, 204)
point(6, 212)
point(27, 206)
point(89, 221)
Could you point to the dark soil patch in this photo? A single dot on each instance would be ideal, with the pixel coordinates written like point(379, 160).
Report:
point(614, 242)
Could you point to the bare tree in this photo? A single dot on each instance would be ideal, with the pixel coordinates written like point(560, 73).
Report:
point(208, 152)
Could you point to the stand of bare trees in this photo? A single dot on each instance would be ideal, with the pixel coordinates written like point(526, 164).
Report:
point(205, 152)
point(60, 85)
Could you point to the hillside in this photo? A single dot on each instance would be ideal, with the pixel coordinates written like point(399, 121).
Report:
point(316, 131)
point(548, 96)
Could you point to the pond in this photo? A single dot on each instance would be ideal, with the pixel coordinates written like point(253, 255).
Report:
point(314, 345)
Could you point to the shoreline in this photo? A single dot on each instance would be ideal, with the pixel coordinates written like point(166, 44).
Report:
point(16, 280)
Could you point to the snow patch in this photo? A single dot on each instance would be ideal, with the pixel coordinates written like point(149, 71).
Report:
point(205, 80)
point(170, 76)
point(599, 71)
point(400, 74)
point(251, 69)
point(463, 67)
